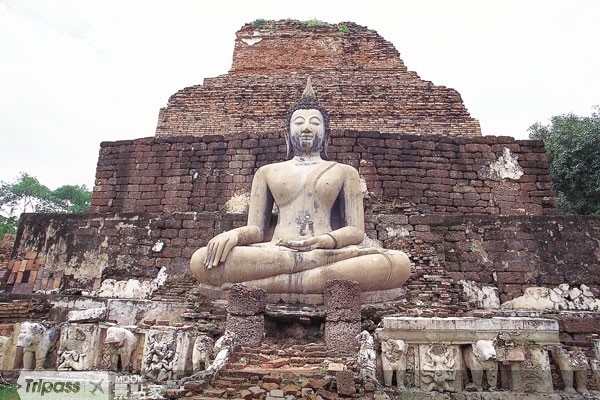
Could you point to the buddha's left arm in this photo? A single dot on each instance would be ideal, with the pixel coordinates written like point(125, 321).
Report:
point(354, 218)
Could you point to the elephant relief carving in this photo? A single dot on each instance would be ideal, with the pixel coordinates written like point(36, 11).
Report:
point(480, 358)
point(573, 368)
point(121, 343)
point(36, 340)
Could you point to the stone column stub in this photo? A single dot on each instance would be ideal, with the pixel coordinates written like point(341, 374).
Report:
point(342, 314)
point(245, 313)
point(246, 300)
point(342, 300)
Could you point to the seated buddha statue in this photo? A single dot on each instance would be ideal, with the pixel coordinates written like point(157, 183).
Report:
point(320, 224)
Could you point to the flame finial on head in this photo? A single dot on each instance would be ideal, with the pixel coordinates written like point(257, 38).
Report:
point(308, 90)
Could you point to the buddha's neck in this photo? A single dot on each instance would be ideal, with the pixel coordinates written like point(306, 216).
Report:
point(310, 158)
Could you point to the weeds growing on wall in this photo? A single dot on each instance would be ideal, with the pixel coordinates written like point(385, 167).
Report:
point(312, 23)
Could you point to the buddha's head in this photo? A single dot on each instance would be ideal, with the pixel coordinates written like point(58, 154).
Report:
point(307, 127)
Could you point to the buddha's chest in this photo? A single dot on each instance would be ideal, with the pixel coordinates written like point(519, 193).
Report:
point(312, 188)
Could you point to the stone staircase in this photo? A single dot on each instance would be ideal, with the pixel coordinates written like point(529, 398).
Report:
point(308, 371)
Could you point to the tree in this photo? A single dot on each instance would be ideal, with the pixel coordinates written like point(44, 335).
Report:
point(7, 225)
point(27, 194)
point(573, 146)
point(71, 199)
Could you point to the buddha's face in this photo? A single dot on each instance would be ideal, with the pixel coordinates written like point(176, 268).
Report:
point(307, 130)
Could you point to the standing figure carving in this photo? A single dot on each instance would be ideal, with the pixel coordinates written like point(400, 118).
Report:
point(393, 358)
point(202, 353)
point(366, 356)
point(224, 349)
point(320, 224)
point(595, 361)
point(158, 361)
point(439, 367)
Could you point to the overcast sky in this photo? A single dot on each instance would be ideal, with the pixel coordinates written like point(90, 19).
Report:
point(76, 73)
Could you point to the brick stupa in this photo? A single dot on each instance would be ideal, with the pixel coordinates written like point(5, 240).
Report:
point(358, 76)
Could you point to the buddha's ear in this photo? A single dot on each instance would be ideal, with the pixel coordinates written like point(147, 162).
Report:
point(288, 145)
point(325, 144)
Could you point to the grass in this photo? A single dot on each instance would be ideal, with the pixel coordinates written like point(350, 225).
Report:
point(9, 392)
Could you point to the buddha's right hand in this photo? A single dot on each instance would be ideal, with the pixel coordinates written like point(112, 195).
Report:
point(218, 248)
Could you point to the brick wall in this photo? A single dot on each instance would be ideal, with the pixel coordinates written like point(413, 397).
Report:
point(21, 310)
point(70, 251)
point(438, 174)
point(510, 253)
point(513, 253)
point(358, 76)
point(6, 247)
point(80, 251)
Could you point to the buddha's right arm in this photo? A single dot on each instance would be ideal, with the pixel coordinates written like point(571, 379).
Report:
point(248, 234)
point(219, 247)
point(259, 210)
point(259, 214)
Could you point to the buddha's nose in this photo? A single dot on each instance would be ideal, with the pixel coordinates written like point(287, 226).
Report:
point(306, 129)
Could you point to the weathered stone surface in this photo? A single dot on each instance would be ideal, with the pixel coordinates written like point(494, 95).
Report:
point(256, 391)
point(250, 329)
point(340, 335)
point(269, 386)
point(342, 300)
point(578, 324)
point(326, 394)
point(175, 393)
point(316, 383)
point(6, 245)
point(562, 297)
point(272, 378)
point(245, 394)
point(276, 393)
point(290, 389)
point(345, 383)
point(196, 386)
point(545, 243)
point(246, 300)
point(460, 329)
point(89, 315)
point(334, 367)
point(403, 175)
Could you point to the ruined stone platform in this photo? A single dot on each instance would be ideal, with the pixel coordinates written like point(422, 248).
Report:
point(464, 330)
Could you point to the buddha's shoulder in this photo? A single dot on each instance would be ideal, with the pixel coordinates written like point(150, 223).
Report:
point(347, 170)
point(274, 167)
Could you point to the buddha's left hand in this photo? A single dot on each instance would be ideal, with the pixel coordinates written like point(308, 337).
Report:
point(318, 242)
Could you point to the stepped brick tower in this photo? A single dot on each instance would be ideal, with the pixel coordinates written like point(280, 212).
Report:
point(359, 77)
